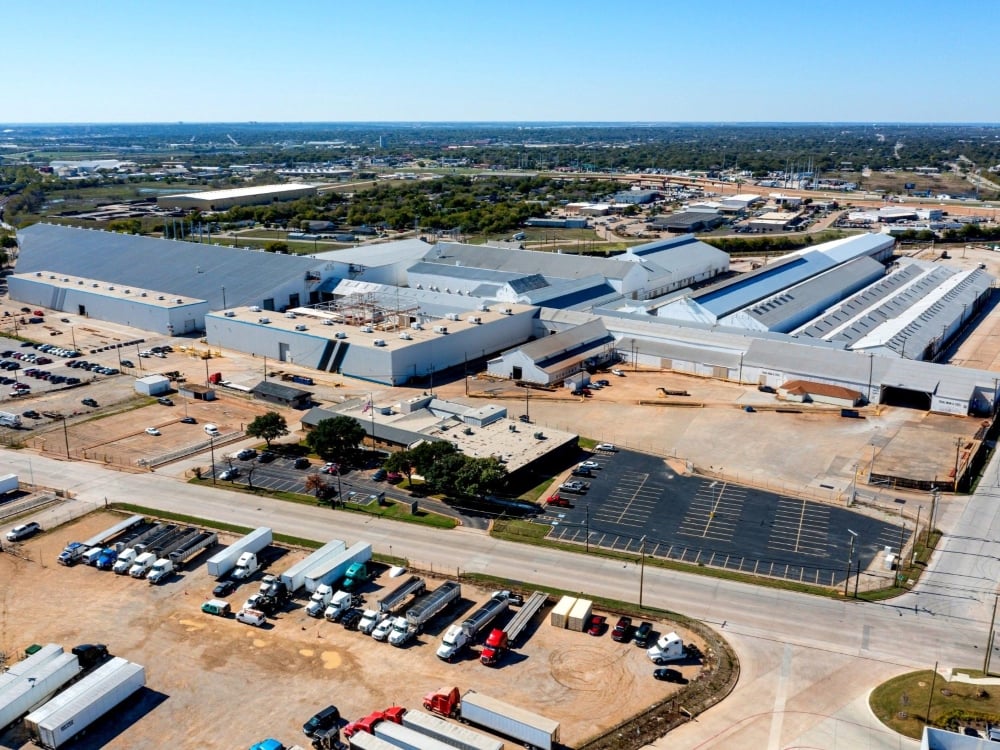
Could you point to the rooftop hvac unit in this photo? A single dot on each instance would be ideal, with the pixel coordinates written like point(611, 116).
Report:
point(51, 275)
point(159, 296)
point(265, 321)
point(484, 307)
point(38, 273)
point(66, 279)
point(111, 288)
point(80, 282)
point(229, 314)
point(452, 316)
point(178, 300)
point(417, 326)
point(440, 329)
point(254, 308)
point(290, 315)
point(128, 291)
point(327, 322)
point(300, 327)
point(379, 342)
point(507, 311)
point(405, 336)
point(475, 319)
point(366, 329)
point(142, 294)
point(340, 335)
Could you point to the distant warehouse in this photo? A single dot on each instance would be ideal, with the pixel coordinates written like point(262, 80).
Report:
point(219, 200)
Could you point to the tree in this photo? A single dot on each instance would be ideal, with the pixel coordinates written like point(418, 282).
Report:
point(336, 439)
point(268, 427)
point(316, 484)
point(401, 462)
point(443, 475)
point(425, 455)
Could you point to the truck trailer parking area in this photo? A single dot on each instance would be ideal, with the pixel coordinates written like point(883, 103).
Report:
point(638, 503)
point(234, 684)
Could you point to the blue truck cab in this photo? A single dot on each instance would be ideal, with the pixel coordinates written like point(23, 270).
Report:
point(107, 559)
point(268, 744)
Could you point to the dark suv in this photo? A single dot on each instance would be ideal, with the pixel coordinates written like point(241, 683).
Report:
point(325, 719)
point(623, 630)
point(643, 634)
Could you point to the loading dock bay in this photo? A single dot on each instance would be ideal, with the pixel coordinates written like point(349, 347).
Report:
point(637, 504)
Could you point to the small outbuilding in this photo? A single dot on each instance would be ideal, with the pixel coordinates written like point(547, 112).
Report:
point(152, 385)
point(281, 395)
point(196, 391)
point(820, 393)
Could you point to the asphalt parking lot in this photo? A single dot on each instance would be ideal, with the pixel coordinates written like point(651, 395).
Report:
point(636, 503)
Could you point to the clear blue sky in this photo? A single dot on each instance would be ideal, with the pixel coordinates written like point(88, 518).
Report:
point(430, 60)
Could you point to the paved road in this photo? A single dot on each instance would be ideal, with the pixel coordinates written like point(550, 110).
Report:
point(808, 663)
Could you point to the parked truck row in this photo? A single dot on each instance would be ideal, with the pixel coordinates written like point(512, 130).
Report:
point(496, 715)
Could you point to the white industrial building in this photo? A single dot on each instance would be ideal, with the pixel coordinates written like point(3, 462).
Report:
point(381, 263)
point(358, 337)
point(220, 200)
point(740, 202)
point(554, 358)
point(140, 308)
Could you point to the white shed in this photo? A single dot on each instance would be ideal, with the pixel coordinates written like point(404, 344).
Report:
point(152, 385)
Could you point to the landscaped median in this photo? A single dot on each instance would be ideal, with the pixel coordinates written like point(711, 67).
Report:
point(911, 701)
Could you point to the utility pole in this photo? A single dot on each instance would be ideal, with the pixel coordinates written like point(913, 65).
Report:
point(930, 695)
point(211, 443)
point(586, 539)
point(642, 566)
point(66, 436)
point(989, 640)
point(850, 559)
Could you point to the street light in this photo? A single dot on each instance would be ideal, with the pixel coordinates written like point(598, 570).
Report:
point(211, 442)
point(642, 566)
point(850, 560)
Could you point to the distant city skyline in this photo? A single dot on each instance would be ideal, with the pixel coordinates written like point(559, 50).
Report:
point(313, 61)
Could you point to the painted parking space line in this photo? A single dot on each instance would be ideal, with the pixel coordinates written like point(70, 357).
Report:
point(801, 527)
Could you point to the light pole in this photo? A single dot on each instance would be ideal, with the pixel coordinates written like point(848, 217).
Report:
point(850, 560)
point(66, 436)
point(211, 442)
point(587, 538)
point(871, 366)
point(223, 298)
point(642, 566)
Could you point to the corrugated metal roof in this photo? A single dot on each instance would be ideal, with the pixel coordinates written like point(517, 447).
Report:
point(446, 271)
point(278, 390)
point(678, 350)
point(526, 262)
point(776, 312)
point(590, 334)
point(185, 268)
point(381, 254)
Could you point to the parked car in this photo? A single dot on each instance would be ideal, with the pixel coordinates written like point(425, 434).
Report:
point(603, 383)
point(89, 402)
point(246, 454)
point(643, 633)
point(224, 588)
point(574, 486)
point(266, 457)
point(127, 363)
point(23, 531)
point(597, 625)
point(557, 500)
point(589, 465)
point(211, 429)
point(189, 420)
point(229, 474)
point(302, 463)
point(667, 674)
point(394, 477)
point(164, 401)
point(619, 373)
point(623, 630)
point(152, 431)
point(330, 468)
point(606, 447)
point(379, 475)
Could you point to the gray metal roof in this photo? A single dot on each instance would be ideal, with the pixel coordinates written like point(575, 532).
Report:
point(591, 289)
point(446, 270)
point(784, 310)
point(380, 254)
point(671, 243)
point(566, 343)
point(385, 432)
point(185, 268)
point(678, 350)
point(527, 262)
point(688, 219)
point(278, 390)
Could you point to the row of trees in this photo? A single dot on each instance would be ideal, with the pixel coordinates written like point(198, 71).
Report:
point(445, 469)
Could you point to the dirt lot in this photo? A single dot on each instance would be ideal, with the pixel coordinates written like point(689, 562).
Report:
point(201, 669)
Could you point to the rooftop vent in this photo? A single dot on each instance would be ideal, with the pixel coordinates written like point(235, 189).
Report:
point(95, 285)
point(38, 273)
point(51, 275)
point(265, 321)
point(110, 288)
point(290, 315)
point(229, 314)
point(366, 329)
point(417, 326)
point(142, 294)
point(507, 311)
point(340, 335)
point(484, 307)
point(405, 336)
point(475, 319)
point(160, 296)
point(452, 316)
point(254, 308)
point(440, 329)
point(327, 322)
point(379, 342)
point(300, 327)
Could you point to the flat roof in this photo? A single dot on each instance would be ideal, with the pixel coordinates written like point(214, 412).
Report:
point(243, 192)
point(105, 289)
point(358, 335)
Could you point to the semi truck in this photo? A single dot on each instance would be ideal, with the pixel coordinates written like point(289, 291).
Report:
point(107, 559)
point(106, 537)
point(496, 715)
point(127, 556)
point(202, 540)
point(72, 553)
point(24, 693)
point(318, 601)
point(246, 566)
point(9, 483)
point(225, 560)
point(332, 569)
point(412, 586)
point(71, 712)
point(357, 574)
point(339, 603)
point(408, 739)
point(423, 611)
point(26, 667)
point(295, 576)
point(454, 735)
point(669, 647)
point(458, 636)
point(142, 565)
point(498, 642)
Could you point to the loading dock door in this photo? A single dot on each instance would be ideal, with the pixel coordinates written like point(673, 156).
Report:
point(893, 395)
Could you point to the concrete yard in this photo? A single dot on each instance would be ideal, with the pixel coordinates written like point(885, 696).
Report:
point(216, 683)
